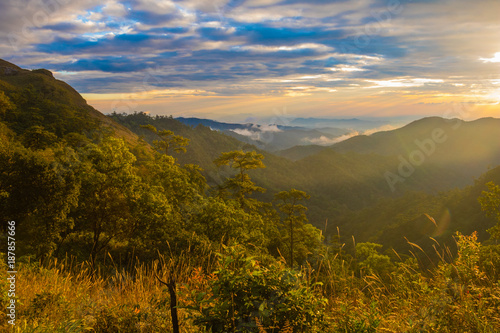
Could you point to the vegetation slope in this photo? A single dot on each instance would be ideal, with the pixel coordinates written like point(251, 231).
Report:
point(116, 236)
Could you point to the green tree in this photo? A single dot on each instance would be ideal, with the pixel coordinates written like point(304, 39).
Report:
point(168, 140)
point(109, 186)
point(225, 221)
point(182, 185)
point(180, 191)
point(490, 204)
point(294, 213)
point(370, 261)
point(241, 185)
point(6, 104)
point(37, 190)
point(36, 137)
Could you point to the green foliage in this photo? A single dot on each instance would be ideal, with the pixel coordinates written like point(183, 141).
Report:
point(241, 185)
point(32, 105)
point(489, 261)
point(244, 291)
point(222, 222)
point(467, 262)
point(36, 137)
point(168, 140)
point(42, 213)
point(490, 203)
point(351, 322)
point(5, 104)
point(294, 218)
point(370, 261)
point(242, 161)
point(108, 187)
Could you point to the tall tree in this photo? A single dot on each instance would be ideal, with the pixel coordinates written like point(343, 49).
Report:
point(108, 191)
point(294, 213)
point(241, 185)
point(168, 140)
point(37, 190)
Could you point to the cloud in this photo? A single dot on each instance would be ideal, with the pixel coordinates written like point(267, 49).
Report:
point(267, 128)
point(257, 132)
point(421, 53)
point(495, 58)
point(380, 129)
point(248, 133)
point(326, 141)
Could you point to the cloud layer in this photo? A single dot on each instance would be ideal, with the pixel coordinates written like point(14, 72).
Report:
point(368, 57)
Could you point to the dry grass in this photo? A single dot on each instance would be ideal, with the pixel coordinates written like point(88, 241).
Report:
point(62, 297)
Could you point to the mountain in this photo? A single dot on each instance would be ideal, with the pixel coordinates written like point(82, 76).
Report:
point(299, 152)
point(272, 137)
point(205, 144)
point(338, 180)
point(417, 216)
point(213, 124)
point(464, 148)
point(353, 123)
point(375, 187)
point(35, 98)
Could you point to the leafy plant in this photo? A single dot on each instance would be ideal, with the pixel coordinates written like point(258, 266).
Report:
point(244, 290)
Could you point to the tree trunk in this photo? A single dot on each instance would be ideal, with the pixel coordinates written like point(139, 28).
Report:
point(173, 302)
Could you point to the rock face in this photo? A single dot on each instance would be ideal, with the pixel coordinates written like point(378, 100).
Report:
point(44, 72)
point(8, 71)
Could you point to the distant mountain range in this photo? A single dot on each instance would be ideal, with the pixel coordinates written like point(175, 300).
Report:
point(299, 131)
point(372, 186)
point(353, 123)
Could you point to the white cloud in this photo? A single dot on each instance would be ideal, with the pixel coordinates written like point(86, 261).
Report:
point(326, 141)
point(396, 83)
point(267, 128)
point(496, 58)
point(256, 131)
point(114, 8)
point(380, 129)
point(158, 7)
point(248, 133)
point(347, 69)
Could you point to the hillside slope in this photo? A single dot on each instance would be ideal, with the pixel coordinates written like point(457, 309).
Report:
point(349, 176)
point(467, 149)
point(394, 221)
point(337, 181)
point(36, 98)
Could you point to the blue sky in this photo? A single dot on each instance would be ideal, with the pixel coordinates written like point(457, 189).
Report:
point(231, 60)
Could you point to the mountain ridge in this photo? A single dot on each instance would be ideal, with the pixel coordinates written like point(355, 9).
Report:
point(20, 85)
point(348, 176)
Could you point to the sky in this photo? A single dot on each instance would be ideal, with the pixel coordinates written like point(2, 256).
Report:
point(235, 60)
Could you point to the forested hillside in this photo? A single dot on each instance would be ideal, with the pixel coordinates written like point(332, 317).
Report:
point(464, 148)
point(342, 183)
point(115, 234)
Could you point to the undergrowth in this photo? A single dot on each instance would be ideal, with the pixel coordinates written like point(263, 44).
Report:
point(233, 292)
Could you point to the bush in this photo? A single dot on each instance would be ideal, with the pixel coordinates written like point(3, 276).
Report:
point(245, 296)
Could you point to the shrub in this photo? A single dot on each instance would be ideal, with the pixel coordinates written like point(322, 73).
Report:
point(245, 296)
